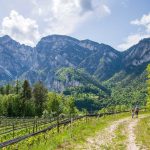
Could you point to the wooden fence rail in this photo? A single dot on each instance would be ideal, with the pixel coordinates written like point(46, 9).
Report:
point(18, 139)
point(63, 122)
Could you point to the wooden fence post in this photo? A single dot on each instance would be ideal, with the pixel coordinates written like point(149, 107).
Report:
point(58, 123)
point(13, 130)
point(33, 126)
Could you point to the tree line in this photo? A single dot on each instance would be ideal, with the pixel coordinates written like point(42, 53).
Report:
point(24, 100)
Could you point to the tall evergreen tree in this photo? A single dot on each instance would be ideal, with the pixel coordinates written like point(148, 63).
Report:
point(26, 92)
point(7, 89)
point(26, 95)
point(40, 96)
point(17, 88)
point(2, 90)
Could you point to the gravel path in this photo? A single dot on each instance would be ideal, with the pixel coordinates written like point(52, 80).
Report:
point(102, 138)
point(106, 136)
point(131, 144)
point(131, 137)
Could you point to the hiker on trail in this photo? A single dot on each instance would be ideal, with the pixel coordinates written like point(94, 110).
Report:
point(132, 111)
point(136, 111)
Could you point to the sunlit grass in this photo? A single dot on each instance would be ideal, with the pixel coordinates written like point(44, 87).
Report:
point(142, 132)
point(70, 135)
point(118, 142)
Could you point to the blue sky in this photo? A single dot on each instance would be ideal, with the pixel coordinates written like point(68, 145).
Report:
point(119, 23)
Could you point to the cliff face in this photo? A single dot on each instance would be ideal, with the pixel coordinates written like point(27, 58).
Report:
point(56, 52)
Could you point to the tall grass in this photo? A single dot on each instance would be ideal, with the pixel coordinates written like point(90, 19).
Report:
point(142, 132)
point(69, 136)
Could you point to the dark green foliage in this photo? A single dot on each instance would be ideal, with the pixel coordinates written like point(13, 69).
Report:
point(86, 89)
point(89, 97)
point(26, 90)
point(40, 96)
point(2, 90)
point(78, 76)
point(25, 97)
point(17, 87)
point(87, 103)
point(17, 100)
point(56, 105)
point(10, 105)
point(34, 101)
point(82, 89)
point(7, 89)
point(126, 89)
point(148, 88)
point(71, 106)
point(129, 90)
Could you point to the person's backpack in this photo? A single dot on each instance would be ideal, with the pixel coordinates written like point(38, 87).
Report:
point(136, 108)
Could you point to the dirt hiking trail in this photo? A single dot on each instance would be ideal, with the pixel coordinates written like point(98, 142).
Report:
point(106, 136)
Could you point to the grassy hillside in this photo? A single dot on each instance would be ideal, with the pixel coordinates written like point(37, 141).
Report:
point(128, 89)
point(68, 75)
point(122, 89)
point(88, 92)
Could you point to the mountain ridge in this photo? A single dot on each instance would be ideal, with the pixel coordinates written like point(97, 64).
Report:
point(54, 52)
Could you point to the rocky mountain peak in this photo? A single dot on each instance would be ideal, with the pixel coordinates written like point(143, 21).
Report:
point(58, 38)
point(91, 45)
point(58, 51)
point(5, 38)
point(145, 40)
point(8, 42)
point(138, 54)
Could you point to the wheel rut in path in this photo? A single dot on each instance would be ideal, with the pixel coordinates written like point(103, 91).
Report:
point(106, 136)
point(102, 138)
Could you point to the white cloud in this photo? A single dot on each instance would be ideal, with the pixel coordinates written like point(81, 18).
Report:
point(24, 30)
point(106, 9)
point(51, 17)
point(132, 39)
point(144, 21)
point(64, 16)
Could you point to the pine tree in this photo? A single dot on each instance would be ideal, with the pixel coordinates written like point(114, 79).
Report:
point(40, 96)
point(26, 92)
point(2, 90)
point(26, 95)
point(7, 89)
point(17, 88)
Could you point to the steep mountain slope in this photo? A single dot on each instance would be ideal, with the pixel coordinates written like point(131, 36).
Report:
point(138, 54)
point(104, 62)
point(15, 59)
point(70, 77)
point(60, 51)
point(57, 51)
point(137, 57)
point(128, 86)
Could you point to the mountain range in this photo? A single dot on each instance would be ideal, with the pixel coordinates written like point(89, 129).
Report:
point(55, 53)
